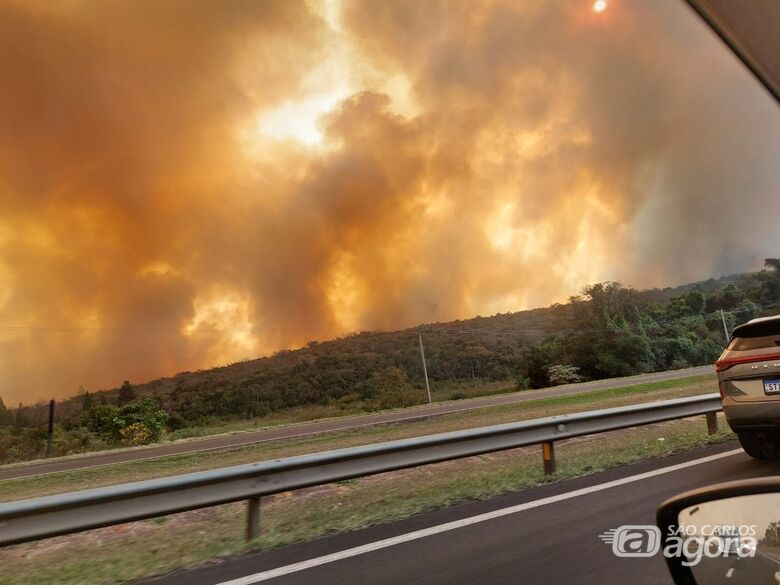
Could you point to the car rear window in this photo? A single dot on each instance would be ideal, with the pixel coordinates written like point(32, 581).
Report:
point(746, 343)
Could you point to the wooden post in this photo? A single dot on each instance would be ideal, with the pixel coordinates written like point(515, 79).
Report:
point(712, 423)
point(51, 428)
point(548, 454)
point(425, 369)
point(253, 518)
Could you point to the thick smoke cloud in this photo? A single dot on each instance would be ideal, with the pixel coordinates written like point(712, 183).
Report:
point(478, 157)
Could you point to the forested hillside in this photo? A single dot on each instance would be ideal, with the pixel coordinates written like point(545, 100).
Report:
point(609, 330)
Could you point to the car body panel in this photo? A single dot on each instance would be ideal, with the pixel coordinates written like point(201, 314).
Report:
point(749, 376)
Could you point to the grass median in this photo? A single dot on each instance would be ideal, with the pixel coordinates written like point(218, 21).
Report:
point(172, 465)
point(138, 549)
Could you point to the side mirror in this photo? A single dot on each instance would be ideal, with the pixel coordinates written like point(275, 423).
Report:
point(726, 534)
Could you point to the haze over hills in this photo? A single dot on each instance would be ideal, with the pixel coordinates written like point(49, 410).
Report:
point(608, 331)
point(400, 348)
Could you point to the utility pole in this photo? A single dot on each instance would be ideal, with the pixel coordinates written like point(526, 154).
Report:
point(425, 369)
point(51, 428)
point(725, 329)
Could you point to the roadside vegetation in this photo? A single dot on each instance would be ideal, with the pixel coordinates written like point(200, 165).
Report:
point(608, 331)
point(140, 549)
point(165, 466)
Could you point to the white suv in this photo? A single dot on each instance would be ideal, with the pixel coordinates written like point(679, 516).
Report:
point(749, 381)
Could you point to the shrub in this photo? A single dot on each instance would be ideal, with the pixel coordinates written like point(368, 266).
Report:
point(136, 434)
point(563, 374)
point(141, 423)
point(101, 420)
point(138, 423)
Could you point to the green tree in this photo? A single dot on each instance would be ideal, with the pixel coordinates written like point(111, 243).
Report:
point(126, 393)
point(21, 417)
point(535, 360)
point(6, 417)
point(772, 264)
point(607, 303)
point(725, 298)
point(101, 420)
point(138, 423)
point(522, 382)
point(687, 305)
point(392, 388)
point(141, 422)
point(86, 401)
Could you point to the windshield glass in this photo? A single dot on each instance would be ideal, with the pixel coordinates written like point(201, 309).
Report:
point(255, 234)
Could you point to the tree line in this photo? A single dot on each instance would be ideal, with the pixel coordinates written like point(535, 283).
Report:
point(608, 330)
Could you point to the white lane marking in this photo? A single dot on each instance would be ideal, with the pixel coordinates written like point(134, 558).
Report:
point(770, 557)
point(730, 572)
point(417, 534)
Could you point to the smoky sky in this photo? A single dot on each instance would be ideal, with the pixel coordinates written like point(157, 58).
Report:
point(462, 158)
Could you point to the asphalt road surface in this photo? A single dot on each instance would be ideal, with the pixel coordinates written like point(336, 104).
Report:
point(548, 534)
point(337, 424)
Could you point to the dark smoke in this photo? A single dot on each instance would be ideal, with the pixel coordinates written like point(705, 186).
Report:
point(147, 227)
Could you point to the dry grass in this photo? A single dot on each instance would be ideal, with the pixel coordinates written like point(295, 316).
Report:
point(138, 549)
point(150, 468)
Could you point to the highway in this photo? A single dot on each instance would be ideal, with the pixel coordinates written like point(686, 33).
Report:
point(547, 534)
point(336, 424)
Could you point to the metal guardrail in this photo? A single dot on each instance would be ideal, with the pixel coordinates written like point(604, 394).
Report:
point(36, 518)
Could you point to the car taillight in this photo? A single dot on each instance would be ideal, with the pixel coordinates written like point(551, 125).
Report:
point(725, 364)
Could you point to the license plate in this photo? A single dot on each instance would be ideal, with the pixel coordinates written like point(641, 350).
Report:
point(772, 386)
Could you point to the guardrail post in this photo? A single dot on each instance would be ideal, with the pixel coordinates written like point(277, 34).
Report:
point(253, 518)
point(36, 518)
point(548, 454)
point(712, 422)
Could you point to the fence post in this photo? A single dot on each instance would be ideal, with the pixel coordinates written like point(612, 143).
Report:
point(712, 422)
point(50, 433)
point(253, 518)
point(548, 454)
